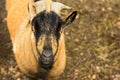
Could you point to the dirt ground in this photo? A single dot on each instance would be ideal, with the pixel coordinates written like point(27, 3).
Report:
point(92, 43)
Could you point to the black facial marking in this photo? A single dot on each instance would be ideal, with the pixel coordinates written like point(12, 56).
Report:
point(47, 23)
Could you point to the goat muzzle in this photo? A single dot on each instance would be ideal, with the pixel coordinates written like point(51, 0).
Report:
point(46, 59)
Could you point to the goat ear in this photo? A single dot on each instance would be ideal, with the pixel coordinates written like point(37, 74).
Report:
point(31, 10)
point(70, 18)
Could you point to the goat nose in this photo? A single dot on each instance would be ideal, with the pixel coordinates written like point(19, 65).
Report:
point(46, 59)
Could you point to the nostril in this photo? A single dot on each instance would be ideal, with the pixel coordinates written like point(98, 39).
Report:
point(47, 53)
point(46, 59)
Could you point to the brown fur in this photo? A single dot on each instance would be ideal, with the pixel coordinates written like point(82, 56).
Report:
point(24, 42)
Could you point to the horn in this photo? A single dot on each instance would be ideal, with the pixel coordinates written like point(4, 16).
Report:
point(40, 6)
point(35, 7)
point(57, 7)
point(43, 5)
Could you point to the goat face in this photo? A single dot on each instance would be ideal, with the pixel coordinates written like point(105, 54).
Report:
point(47, 28)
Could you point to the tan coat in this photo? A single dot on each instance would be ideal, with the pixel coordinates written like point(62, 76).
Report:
point(24, 42)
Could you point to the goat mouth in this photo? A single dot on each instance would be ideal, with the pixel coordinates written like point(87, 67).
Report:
point(46, 60)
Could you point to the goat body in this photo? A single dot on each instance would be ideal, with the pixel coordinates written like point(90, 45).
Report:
point(24, 43)
point(37, 33)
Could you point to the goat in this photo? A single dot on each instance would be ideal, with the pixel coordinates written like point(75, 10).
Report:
point(37, 33)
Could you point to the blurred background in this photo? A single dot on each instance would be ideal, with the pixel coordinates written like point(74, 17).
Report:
point(92, 43)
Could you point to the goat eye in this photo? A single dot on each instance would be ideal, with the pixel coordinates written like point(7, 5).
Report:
point(59, 27)
point(35, 27)
point(57, 35)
